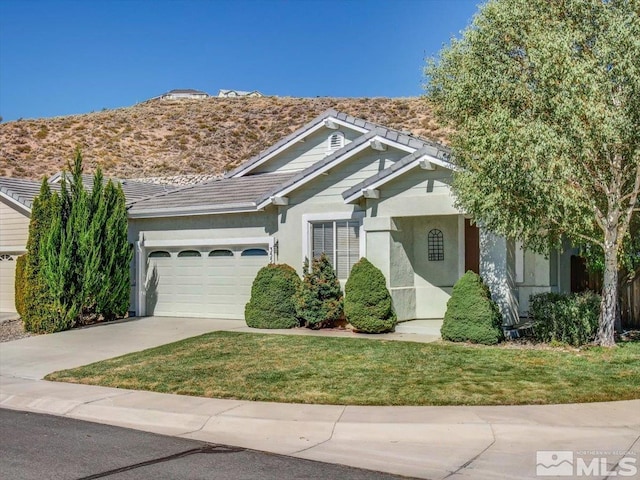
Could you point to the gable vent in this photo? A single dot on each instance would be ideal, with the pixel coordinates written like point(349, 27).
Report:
point(335, 141)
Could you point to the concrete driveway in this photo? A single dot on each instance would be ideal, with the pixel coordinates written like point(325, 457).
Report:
point(35, 357)
point(426, 442)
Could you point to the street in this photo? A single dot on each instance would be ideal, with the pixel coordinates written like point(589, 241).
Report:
point(36, 446)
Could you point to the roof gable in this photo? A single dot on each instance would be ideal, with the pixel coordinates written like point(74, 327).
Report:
point(426, 157)
point(327, 119)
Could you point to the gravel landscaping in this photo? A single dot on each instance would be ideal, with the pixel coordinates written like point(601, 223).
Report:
point(12, 329)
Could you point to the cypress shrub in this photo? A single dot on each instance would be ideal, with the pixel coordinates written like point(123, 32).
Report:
point(471, 315)
point(20, 284)
point(79, 256)
point(37, 296)
point(566, 318)
point(272, 298)
point(367, 301)
point(319, 297)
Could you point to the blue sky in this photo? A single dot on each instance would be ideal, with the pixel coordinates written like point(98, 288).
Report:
point(63, 57)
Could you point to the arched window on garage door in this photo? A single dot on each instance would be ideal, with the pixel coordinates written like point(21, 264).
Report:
point(255, 252)
point(223, 252)
point(159, 254)
point(189, 253)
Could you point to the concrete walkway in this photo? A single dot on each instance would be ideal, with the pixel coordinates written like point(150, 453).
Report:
point(425, 442)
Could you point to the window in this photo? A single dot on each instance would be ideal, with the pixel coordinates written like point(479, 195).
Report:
point(221, 253)
point(435, 242)
point(6, 258)
point(189, 253)
point(340, 241)
point(159, 254)
point(335, 142)
point(255, 252)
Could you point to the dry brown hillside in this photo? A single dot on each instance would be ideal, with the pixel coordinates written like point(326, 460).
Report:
point(160, 138)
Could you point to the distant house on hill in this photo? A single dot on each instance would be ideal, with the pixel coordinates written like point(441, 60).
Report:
point(238, 93)
point(186, 93)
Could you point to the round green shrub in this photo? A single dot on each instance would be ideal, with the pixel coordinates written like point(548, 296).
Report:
point(367, 301)
point(272, 298)
point(471, 315)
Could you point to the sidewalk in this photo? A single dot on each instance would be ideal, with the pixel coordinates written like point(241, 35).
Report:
point(424, 442)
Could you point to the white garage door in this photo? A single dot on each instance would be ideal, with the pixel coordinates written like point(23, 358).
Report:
point(7, 282)
point(212, 283)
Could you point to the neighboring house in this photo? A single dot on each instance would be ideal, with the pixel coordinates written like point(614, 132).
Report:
point(338, 185)
point(182, 94)
point(238, 93)
point(16, 200)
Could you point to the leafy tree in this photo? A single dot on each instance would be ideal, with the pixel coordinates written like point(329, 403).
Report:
point(319, 298)
point(543, 99)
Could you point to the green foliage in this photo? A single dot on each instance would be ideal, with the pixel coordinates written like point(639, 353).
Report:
point(471, 315)
point(367, 301)
point(565, 318)
point(319, 297)
point(20, 284)
point(272, 298)
point(79, 257)
point(37, 301)
point(544, 102)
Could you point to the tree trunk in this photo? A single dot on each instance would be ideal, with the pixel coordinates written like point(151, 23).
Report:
point(609, 306)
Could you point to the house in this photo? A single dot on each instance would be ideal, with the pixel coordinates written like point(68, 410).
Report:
point(339, 185)
point(238, 93)
point(184, 94)
point(16, 200)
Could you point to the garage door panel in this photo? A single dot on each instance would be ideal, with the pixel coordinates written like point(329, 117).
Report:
point(217, 286)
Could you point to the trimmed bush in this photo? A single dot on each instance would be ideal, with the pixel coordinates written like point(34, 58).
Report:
point(272, 298)
point(471, 314)
point(367, 301)
point(565, 318)
point(20, 283)
point(319, 297)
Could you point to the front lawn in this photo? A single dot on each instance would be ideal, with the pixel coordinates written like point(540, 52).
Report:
point(309, 369)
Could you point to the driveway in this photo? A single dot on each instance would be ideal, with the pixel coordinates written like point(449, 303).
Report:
point(35, 357)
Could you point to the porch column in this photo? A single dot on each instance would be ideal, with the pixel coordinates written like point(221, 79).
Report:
point(497, 269)
point(385, 249)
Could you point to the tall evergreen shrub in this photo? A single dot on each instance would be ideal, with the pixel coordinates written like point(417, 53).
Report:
point(319, 297)
point(83, 255)
point(471, 315)
point(37, 295)
point(20, 284)
point(367, 301)
point(272, 302)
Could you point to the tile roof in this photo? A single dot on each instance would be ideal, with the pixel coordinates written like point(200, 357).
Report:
point(24, 191)
point(21, 190)
point(216, 196)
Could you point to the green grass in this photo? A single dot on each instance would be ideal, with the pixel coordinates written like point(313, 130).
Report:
point(308, 369)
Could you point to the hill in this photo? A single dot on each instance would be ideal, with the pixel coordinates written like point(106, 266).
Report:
point(163, 138)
